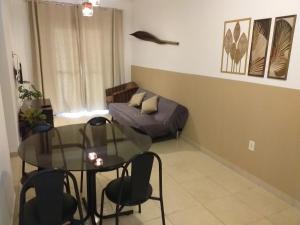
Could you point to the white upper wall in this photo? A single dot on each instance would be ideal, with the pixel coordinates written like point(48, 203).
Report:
point(6, 76)
point(21, 38)
point(8, 134)
point(198, 25)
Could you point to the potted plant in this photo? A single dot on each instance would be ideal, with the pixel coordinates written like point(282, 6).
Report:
point(33, 116)
point(29, 119)
point(29, 93)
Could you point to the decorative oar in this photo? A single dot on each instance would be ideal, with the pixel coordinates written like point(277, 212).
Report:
point(145, 36)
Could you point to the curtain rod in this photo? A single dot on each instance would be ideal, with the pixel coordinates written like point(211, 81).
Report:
point(65, 3)
point(56, 2)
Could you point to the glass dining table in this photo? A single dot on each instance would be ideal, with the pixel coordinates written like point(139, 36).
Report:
point(83, 147)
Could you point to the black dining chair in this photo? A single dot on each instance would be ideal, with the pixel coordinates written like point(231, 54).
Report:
point(96, 121)
point(44, 128)
point(135, 189)
point(39, 128)
point(50, 205)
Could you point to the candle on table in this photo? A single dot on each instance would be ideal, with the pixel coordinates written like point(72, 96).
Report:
point(99, 162)
point(92, 155)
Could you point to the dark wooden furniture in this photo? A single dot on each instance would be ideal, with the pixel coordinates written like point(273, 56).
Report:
point(121, 93)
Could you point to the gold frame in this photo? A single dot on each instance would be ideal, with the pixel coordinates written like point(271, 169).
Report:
point(232, 21)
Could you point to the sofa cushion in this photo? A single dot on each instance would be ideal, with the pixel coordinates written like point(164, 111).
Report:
point(150, 105)
point(170, 113)
point(136, 99)
point(132, 117)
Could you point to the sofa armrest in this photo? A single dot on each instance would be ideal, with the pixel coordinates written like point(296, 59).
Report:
point(171, 114)
point(124, 95)
point(111, 91)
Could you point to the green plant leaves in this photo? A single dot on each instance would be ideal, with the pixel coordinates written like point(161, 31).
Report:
point(29, 93)
point(33, 116)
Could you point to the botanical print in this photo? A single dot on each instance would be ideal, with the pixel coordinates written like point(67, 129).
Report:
point(235, 46)
point(281, 47)
point(259, 47)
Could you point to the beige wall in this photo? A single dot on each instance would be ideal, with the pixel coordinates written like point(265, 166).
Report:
point(7, 193)
point(7, 81)
point(226, 114)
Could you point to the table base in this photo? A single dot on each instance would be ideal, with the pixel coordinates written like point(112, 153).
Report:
point(90, 203)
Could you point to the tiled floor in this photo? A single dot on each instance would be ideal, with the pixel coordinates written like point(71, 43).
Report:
point(198, 191)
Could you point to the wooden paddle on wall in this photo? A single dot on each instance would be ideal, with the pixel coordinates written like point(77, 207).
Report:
point(145, 36)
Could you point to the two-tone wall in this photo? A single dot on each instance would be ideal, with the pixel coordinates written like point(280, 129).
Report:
point(226, 110)
point(224, 115)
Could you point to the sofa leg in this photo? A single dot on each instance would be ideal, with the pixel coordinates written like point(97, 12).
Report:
point(177, 134)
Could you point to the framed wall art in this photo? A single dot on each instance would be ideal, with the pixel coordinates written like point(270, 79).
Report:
point(281, 47)
point(235, 46)
point(259, 47)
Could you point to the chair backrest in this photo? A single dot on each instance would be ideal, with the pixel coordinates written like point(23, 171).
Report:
point(98, 121)
point(97, 127)
point(141, 168)
point(49, 188)
point(140, 176)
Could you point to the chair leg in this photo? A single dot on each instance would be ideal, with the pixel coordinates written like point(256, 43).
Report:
point(81, 181)
point(23, 168)
point(67, 185)
point(118, 173)
point(126, 171)
point(162, 211)
point(117, 214)
point(140, 208)
point(101, 209)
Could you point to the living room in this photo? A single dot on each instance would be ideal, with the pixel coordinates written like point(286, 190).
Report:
point(236, 158)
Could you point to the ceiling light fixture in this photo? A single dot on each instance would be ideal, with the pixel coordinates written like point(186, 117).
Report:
point(87, 8)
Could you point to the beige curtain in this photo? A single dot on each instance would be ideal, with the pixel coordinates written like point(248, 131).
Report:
point(80, 56)
point(100, 65)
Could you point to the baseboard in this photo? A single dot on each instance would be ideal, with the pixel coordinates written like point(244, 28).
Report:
point(14, 208)
point(280, 194)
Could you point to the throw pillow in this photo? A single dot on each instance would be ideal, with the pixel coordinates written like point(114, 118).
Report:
point(150, 105)
point(136, 99)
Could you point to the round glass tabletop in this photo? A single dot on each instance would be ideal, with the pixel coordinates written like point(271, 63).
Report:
point(81, 147)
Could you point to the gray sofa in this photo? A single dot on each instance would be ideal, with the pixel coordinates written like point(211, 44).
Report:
point(169, 118)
